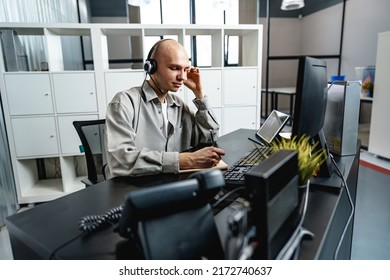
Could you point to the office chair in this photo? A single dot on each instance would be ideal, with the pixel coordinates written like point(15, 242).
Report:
point(91, 136)
point(174, 220)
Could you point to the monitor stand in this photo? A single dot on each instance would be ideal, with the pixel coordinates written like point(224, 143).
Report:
point(328, 176)
point(334, 182)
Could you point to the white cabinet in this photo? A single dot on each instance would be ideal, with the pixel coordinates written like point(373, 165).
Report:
point(28, 94)
point(240, 86)
point(40, 106)
point(212, 82)
point(75, 92)
point(35, 137)
point(241, 99)
point(239, 117)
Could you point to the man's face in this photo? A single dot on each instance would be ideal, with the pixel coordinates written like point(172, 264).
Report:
point(173, 66)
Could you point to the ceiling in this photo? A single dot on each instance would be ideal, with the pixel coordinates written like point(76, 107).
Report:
point(118, 8)
point(311, 6)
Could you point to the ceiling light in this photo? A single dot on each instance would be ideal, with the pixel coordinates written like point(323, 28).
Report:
point(138, 2)
point(222, 4)
point(289, 5)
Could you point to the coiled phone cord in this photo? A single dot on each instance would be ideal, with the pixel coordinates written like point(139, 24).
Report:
point(93, 223)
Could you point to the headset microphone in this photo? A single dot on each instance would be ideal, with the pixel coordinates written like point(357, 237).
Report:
point(160, 89)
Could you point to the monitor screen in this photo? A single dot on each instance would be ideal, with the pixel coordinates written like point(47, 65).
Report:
point(311, 97)
point(310, 105)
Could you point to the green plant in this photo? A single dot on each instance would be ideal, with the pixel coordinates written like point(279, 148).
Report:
point(309, 162)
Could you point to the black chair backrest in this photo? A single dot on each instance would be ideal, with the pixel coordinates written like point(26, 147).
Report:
point(91, 133)
point(172, 221)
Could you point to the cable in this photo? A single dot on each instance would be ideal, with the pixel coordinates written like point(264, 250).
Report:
point(52, 255)
point(352, 207)
point(305, 204)
point(93, 223)
point(298, 232)
point(157, 85)
point(225, 196)
point(139, 105)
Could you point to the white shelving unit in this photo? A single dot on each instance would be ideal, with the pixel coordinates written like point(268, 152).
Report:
point(40, 106)
point(379, 129)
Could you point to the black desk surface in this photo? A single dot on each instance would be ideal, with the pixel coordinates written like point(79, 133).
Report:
point(37, 232)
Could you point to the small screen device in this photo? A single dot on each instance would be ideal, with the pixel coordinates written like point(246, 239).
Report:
point(272, 126)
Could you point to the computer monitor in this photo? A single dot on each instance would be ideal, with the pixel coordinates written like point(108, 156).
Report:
point(310, 105)
point(311, 97)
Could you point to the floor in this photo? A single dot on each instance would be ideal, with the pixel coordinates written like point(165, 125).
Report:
point(5, 246)
point(371, 239)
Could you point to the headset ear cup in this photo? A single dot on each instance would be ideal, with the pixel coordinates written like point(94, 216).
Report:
point(147, 66)
point(150, 66)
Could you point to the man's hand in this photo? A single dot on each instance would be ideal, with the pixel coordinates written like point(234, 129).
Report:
point(194, 82)
point(203, 158)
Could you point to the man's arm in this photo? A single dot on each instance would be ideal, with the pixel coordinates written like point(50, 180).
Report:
point(203, 158)
point(204, 118)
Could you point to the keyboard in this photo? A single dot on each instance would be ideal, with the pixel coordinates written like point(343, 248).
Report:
point(235, 175)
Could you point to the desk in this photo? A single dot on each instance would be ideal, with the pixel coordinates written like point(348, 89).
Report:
point(35, 233)
point(289, 91)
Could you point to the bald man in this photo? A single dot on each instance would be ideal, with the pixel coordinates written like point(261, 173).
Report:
point(148, 129)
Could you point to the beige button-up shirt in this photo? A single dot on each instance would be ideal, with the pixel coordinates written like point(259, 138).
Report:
point(134, 137)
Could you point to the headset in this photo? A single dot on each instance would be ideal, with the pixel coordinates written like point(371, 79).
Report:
point(150, 65)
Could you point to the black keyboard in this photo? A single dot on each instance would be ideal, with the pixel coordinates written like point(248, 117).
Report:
point(235, 175)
